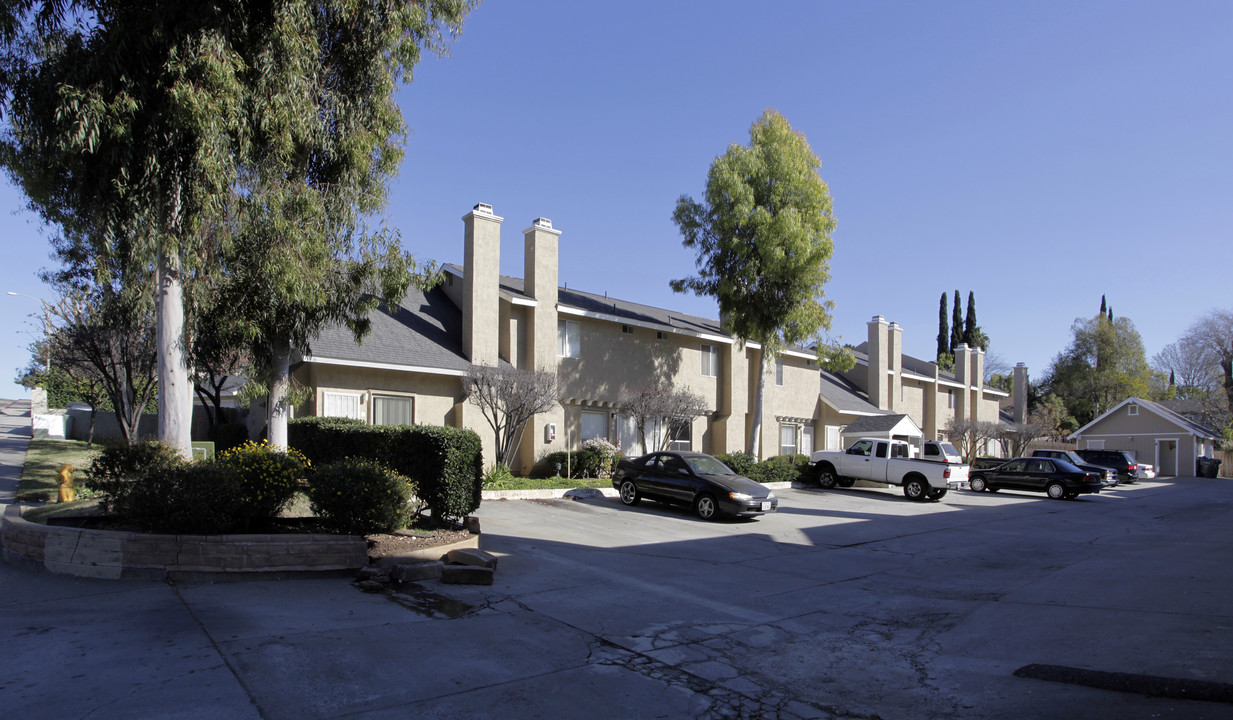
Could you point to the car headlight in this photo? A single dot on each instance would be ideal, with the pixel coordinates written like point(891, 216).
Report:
point(770, 496)
point(741, 497)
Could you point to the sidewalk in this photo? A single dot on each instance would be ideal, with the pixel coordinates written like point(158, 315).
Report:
point(14, 439)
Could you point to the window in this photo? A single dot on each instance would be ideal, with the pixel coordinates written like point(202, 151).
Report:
point(627, 329)
point(594, 425)
point(567, 338)
point(661, 335)
point(392, 410)
point(881, 451)
point(787, 439)
point(779, 371)
point(335, 404)
point(710, 361)
point(681, 438)
point(1133, 409)
point(950, 399)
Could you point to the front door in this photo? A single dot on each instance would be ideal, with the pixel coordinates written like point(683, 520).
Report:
point(807, 440)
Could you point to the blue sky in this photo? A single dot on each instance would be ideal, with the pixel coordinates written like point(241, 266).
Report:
point(1039, 154)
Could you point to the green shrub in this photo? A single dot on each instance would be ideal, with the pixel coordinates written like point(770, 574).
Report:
point(609, 455)
point(588, 462)
point(269, 477)
point(444, 464)
point(116, 468)
point(191, 499)
point(228, 435)
point(742, 463)
point(781, 468)
point(360, 496)
point(497, 477)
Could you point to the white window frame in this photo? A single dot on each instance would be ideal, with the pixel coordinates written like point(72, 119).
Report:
point(710, 360)
point(950, 399)
point(1132, 410)
point(582, 425)
point(796, 440)
point(345, 398)
point(779, 371)
point(569, 339)
point(683, 440)
point(380, 396)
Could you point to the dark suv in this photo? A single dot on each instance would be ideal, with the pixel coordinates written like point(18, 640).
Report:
point(1126, 467)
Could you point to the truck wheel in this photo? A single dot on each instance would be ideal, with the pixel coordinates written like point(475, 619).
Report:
point(846, 482)
point(937, 493)
point(826, 477)
point(915, 489)
point(1056, 490)
point(977, 484)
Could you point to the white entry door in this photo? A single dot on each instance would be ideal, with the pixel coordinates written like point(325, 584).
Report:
point(807, 440)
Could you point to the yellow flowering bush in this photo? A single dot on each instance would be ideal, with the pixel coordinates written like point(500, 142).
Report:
point(269, 476)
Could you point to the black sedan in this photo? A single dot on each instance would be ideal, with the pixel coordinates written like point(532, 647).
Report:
point(1059, 478)
point(701, 481)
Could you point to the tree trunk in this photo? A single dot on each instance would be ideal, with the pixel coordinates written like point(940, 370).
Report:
point(175, 406)
point(277, 409)
point(755, 432)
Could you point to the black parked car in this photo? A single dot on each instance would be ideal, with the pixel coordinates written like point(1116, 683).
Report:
point(698, 480)
point(1060, 479)
point(1107, 474)
point(1125, 466)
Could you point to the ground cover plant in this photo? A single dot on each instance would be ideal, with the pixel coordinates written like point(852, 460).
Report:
point(38, 475)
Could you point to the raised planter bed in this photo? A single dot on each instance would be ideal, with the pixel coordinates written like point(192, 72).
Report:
point(116, 555)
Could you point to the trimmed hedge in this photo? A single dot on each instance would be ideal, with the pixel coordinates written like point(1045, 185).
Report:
point(444, 464)
point(360, 496)
point(742, 463)
point(584, 463)
point(115, 469)
point(198, 499)
point(228, 435)
point(781, 468)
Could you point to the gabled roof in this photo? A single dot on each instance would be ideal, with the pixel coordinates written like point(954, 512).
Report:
point(1184, 424)
point(878, 425)
point(845, 397)
point(424, 331)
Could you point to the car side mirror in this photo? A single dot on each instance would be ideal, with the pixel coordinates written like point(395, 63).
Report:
point(682, 471)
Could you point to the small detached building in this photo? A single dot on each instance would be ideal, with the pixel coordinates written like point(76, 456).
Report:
point(1151, 433)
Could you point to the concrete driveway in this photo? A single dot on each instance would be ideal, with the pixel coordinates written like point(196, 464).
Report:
point(846, 603)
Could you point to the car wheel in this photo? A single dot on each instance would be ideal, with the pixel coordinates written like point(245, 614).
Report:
point(1056, 490)
point(629, 493)
point(706, 507)
point(1072, 495)
point(978, 484)
point(827, 478)
point(915, 489)
point(937, 493)
point(846, 482)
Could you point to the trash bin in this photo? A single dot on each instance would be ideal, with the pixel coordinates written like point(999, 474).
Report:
point(1206, 467)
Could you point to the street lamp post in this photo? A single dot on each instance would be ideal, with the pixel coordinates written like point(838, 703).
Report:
point(46, 325)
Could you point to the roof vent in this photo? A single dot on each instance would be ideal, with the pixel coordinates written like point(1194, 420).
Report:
point(543, 222)
point(483, 208)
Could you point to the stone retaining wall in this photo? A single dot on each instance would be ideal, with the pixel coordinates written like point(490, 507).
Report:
point(115, 555)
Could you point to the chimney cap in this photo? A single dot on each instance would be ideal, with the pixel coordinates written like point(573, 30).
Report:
point(878, 319)
point(1021, 365)
point(483, 208)
point(542, 222)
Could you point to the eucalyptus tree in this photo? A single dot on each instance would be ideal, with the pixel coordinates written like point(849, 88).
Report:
point(763, 238)
point(326, 139)
point(182, 127)
point(124, 119)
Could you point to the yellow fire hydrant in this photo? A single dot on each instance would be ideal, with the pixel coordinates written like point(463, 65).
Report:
point(68, 492)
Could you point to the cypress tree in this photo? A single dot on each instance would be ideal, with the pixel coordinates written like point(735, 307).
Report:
point(1103, 307)
point(969, 323)
point(1110, 314)
point(943, 328)
point(956, 325)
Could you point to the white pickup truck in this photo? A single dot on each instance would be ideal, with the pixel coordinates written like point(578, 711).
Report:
point(890, 461)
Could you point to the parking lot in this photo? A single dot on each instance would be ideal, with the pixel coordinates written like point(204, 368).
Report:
point(846, 603)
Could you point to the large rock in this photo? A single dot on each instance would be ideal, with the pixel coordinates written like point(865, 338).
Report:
point(471, 556)
point(466, 575)
point(411, 572)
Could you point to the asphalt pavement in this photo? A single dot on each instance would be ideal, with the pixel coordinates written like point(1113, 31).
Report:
point(845, 604)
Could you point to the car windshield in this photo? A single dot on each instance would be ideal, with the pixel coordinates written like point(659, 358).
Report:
point(1074, 458)
point(709, 465)
point(948, 448)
